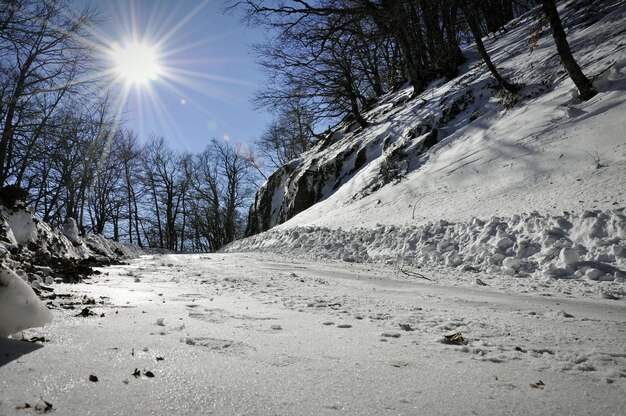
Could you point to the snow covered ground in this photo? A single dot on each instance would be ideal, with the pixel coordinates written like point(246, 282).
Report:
point(263, 334)
point(510, 231)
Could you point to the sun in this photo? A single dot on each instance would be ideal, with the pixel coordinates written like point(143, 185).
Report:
point(136, 63)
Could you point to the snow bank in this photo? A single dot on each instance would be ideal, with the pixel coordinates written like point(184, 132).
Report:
point(33, 254)
point(20, 308)
point(443, 179)
point(589, 245)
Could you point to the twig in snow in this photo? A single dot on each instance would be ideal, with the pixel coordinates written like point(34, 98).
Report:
point(417, 202)
point(596, 159)
point(413, 274)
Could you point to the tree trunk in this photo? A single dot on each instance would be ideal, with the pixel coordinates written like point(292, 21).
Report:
point(474, 26)
point(585, 88)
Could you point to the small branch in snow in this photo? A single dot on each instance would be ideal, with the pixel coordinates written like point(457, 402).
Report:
point(413, 274)
point(596, 158)
point(416, 202)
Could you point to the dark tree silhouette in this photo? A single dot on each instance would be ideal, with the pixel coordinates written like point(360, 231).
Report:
point(585, 87)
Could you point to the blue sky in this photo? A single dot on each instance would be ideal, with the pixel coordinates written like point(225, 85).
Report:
point(208, 73)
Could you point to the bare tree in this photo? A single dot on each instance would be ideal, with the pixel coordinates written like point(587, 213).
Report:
point(128, 153)
point(223, 188)
point(470, 9)
point(166, 183)
point(42, 59)
point(288, 135)
point(584, 85)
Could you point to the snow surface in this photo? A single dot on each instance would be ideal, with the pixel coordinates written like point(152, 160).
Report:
point(260, 334)
point(511, 231)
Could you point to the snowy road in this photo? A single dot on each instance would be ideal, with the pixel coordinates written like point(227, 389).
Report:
point(253, 334)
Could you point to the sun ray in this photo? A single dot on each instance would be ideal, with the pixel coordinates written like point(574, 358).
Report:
point(165, 115)
point(155, 56)
point(193, 45)
point(166, 37)
point(210, 77)
point(136, 62)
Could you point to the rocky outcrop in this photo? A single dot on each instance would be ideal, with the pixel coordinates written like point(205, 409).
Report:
point(401, 132)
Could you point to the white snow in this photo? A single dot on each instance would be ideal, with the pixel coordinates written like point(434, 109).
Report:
point(535, 190)
point(22, 225)
point(20, 308)
point(70, 230)
point(261, 334)
point(510, 231)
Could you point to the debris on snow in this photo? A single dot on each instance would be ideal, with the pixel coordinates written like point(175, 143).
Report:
point(456, 339)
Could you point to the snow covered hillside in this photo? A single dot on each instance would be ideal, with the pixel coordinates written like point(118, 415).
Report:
point(467, 176)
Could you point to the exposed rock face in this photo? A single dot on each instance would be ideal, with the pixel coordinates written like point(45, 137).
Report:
point(337, 158)
point(303, 182)
point(402, 130)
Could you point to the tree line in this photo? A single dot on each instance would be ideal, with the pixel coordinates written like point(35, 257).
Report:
point(331, 59)
point(63, 145)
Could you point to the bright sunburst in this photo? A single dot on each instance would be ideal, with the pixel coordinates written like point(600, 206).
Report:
point(136, 63)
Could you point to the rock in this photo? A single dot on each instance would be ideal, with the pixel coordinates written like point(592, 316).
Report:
point(511, 263)
point(618, 251)
point(504, 243)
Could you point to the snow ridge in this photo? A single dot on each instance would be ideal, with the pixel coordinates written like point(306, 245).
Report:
point(587, 245)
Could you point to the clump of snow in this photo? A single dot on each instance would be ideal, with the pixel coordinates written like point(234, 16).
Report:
point(20, 308)
point(22, 225)
point(70, 230)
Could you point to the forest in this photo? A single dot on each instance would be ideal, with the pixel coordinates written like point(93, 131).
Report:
point(65, 149)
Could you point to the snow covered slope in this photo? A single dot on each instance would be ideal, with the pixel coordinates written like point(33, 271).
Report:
point(467, 176)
